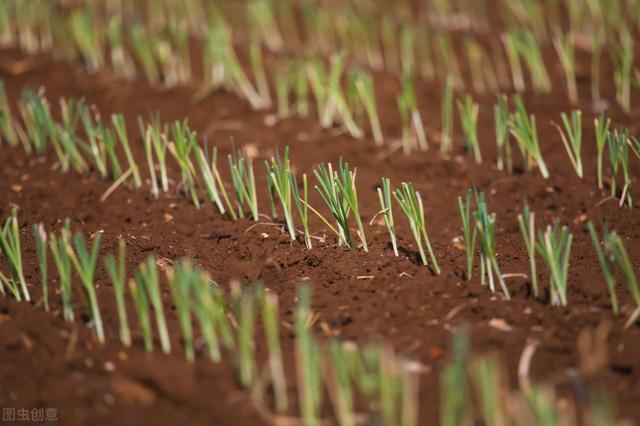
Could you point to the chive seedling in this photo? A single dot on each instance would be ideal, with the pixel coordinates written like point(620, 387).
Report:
point(206, 309)
point(523, 127)
point(384, 195)
point(329, 191)
point(95, 149)
point(276, 366)
point(209, 175)
point(339, 383)
point(602, 125)
point(565, 47)
point(58, 246)
point(346, 181)
point(501, 118)
point(554, 245)
point(10, 247)
point(486, 228)
point(117, 272)
point(366, 91)
point(455, 399)
point(526, 221)
point(85, 264)
point(149, 275)
point(307, 360)
point(257, 65)
point(180, 278)
point(514, 61)
point(184, 139)
point(618, 141)
point(11, 286)
point(302, 205)
point(244, 184)
point(279, 178)
point(469, 118)
point(469, 230)
point(447, 117)
point(611, 254)
point(408, 105)
point(246, 338)
point(573, 139)
point(485, 372)
point(411, 203)
point(622, 57)
point(7, 130)
point(142, 47)
point(530, 52)
point(148, 149)
point(141, 303)
point(40, 237)
point(121, 130)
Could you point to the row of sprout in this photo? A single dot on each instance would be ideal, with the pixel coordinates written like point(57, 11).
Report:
point(344, 45)
point(106, 144)
point(360, 383)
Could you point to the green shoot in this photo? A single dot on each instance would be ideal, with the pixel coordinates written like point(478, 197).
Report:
point(329, 191)
point(276, 367)
point(526, 221)
point(121, 131)
point(339, 384)
point(554, 245)
point(10, 248)
point(179, 279)
point(301, 203)
point(611, 254)
point(244, 184)
point(411, 203)
point(148, 149)
point(565, 47)
point(514, 61)
point(530, 52)
point(246, 339)
point(7, 130)
point(307, 361)
point(606, 264)
point(40, 237)
point(117, 272)
point(207, 309)
point(210, 175)
point(149, 282)
point(142, 47)
point(469, 230)
point(141, 303)
point(257, 65)
point(455, 399)
point(87, 37)
point(485, 372)
point(408, 105)
point(619, 156)
point(447, 117)
point(469, 118)
point(501, 118)
point(602, 126)
point(58, 248)
point(486, 228)
point(184, 139)
point(346, 181)
point(523, 127)
point(573, 139)
point(85, 264)
point(366, 91)
point(622, 57)
point(95, 149)
point(384, 195)
point(279, 178)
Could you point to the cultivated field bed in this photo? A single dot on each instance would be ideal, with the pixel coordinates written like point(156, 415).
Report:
point(577, 360)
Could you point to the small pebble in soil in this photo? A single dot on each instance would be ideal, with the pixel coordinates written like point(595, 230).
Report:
point(109, 366)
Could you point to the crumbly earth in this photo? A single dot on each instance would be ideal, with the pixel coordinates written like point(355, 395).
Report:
point(359, 296)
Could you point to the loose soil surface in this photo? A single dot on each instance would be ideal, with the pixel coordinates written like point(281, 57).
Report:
point(358, 296)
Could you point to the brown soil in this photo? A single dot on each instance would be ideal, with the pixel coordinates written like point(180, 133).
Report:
point(360, 296)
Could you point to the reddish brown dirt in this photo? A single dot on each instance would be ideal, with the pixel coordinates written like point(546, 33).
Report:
point(403, 302)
